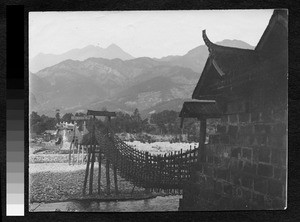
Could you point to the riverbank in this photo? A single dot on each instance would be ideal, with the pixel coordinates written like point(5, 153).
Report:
point(56, 182)
point(159, 203)
point(58, 187)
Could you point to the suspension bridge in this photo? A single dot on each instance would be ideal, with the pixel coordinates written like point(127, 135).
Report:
point(167, 172)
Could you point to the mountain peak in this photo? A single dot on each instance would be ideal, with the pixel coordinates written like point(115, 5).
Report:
point(113, 46)
point(46, 60)
point(235, 43)
point(89, 47)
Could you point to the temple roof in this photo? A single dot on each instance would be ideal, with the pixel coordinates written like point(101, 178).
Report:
point(275, 34)
point(229, 63)
point(216, 49)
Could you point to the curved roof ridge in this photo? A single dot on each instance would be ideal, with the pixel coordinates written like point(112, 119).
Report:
point(212, 47)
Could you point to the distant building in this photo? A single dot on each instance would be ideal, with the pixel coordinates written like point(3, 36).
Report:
point(244, 165)
point(49, 135)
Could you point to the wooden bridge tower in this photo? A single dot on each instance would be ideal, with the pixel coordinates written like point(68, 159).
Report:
point(92, 156)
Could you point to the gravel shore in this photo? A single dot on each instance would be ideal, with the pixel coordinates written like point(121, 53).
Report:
point(53, 182)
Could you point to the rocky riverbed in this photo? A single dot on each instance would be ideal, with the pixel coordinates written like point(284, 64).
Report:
point(53, 182)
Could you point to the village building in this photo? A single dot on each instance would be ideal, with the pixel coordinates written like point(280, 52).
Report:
point(244, 165)
point(49, 135)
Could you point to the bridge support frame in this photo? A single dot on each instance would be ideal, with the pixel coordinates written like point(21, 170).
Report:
point(92, 157)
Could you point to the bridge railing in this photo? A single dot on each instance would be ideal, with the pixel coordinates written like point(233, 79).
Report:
point(168, 171)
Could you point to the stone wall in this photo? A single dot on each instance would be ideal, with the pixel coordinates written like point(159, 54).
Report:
point(246, 162)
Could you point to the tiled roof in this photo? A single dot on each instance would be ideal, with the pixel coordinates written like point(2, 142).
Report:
point(200, 108)
point(235, 66)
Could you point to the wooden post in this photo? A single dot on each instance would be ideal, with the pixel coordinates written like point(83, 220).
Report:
point(82, 151)
point(116, 180)
point(74, 142)
point(77, 153)
point(70, 152)
point(74, 145)
point(99, 172)
point(115, 175)
point(107, 169)
point(202, 138)
point(159, 170)
point(164, 171)
point(147, 190)
point(107, 176)
point(190, 161)
point(87, 170)
point(170, 171)
point(92, 170)
point(93, 160)
point(180, 171)
point(173, 171)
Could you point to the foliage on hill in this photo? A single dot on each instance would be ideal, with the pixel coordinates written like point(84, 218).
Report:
point(38, 124)
point(166, 122)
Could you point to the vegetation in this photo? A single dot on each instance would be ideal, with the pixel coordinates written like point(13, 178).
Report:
point(38, 124)
point(166, 122)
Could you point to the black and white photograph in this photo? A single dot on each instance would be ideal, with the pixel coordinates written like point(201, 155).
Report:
point(167, 110)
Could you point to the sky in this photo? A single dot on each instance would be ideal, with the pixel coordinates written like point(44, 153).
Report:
point(142, 33)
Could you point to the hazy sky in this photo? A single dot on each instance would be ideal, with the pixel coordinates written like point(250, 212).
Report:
point(142, 33)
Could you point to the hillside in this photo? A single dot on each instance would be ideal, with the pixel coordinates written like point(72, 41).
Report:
point(97, 82)
point(151, 85)
point(195, 59)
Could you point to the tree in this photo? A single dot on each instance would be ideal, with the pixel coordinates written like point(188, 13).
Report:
point(79, 114)
point(136, 121)
point(67, 117)
point(167, 121)
point(146, 126)
point(57, 116)
point(38, 124)
point(34, 118)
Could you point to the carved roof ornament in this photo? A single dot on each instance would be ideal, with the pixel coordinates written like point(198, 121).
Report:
point(237, 66)
point(207, 42)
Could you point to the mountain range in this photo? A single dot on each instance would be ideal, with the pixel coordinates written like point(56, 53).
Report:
point(149, 84)
point(42, 60)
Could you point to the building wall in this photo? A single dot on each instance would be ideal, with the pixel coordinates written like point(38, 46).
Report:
point(246, 162)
